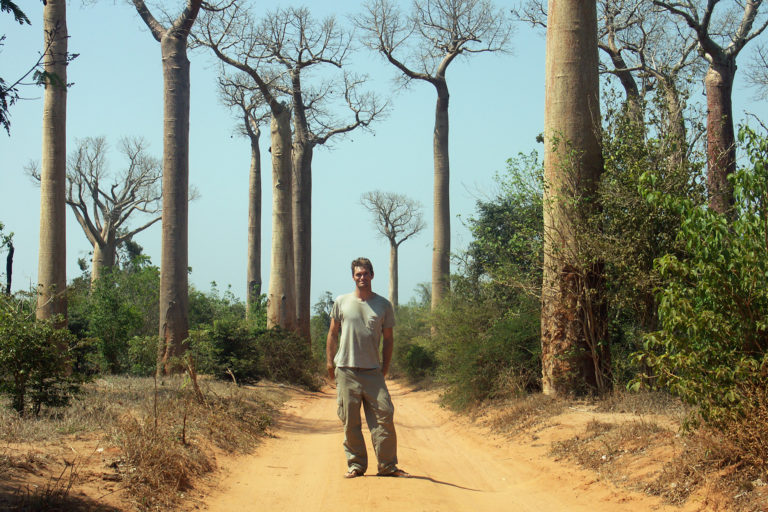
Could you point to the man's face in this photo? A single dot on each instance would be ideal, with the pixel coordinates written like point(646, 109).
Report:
point(362, 277)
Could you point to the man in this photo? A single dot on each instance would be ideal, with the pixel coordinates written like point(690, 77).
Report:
point(363, 317)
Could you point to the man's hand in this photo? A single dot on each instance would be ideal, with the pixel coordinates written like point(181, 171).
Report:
point(331, 374)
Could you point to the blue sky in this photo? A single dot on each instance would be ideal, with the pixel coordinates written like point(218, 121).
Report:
point(496, 111)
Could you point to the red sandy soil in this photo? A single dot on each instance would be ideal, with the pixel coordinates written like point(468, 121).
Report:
point(456, 465)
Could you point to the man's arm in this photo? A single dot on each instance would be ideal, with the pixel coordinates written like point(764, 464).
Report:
point(386, 349)
point(331, 346)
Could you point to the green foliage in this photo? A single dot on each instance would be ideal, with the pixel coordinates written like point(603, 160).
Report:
point(205, 308)
point(713, 305)
point(233, 348)
point(485, 347)
point(412, 354)
point(319, 325)
point(35, 359)
point(507, 231)
point(119, 306)
point(142, 355)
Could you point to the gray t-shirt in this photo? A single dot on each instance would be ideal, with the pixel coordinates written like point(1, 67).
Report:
point(361, 324)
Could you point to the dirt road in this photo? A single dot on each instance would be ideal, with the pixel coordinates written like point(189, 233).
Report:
point(456, 466)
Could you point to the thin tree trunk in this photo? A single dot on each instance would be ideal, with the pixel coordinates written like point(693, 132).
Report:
point(9, 268)
point(676, 131)
point(302, 232)
point(174, 322)
point(572, 323)
point(441, 250)
point(51, 273)
point(393, 277)
point(281, 306)
point(721, 142)
point(254, 225)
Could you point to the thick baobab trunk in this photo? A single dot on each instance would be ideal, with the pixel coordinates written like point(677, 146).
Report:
point(441, 250)
point(51, 273)
point(572, 316)
point(302, 232)
point(721, 143)
point(254, 225)
point(281, 306)
point(393, 277)
point(174, 321)
point(103, 257)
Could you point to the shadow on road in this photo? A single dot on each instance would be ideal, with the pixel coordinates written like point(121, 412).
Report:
point(439, 482)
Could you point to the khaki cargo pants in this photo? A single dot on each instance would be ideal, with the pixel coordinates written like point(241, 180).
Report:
point(366, 387)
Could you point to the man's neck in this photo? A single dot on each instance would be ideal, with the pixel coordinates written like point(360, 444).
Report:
point(363, 294)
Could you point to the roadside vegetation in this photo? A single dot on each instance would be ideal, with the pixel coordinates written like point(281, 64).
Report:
point(686, 302)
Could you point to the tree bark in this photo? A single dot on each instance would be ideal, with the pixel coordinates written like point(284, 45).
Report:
point(393, 277)
point(721, 142)
point(254, 225)
point(676, 131)
point(302, 232)
point(441, 250)
point(281, 306)
point(104, 255)
point(51, 273)
point(572, 316)
point(174, 267)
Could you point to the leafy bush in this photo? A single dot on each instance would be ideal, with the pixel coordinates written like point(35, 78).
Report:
point(713, 308)
point(35, 359)
point(142, 355)
point(237, 348)
point(486, 348)
point(120, 305)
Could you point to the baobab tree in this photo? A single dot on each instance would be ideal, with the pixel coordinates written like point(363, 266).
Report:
point(421, 46)
point(295, 43)
point(397, 218)
point(232, 36)
point(720, 40)
point(51, 270)
point(646, 52)
point(242, 96)
point(573, 352)
point(102, 205)
point(174, 284)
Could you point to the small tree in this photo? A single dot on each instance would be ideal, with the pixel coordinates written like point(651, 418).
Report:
point(242, 95)
point(422, 46)
point(102, 205)
point(397, 218)
point(35, 359)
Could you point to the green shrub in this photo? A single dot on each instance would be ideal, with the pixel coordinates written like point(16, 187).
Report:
point(36, 359)
point(237, 348)
point(713, 306)
point(484, 346)
point(142, 355)
point(285, 357)
point(415, 359)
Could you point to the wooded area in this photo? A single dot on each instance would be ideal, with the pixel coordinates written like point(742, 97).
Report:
point(631, 255)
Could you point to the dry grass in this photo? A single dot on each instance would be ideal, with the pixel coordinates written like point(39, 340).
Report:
point(161, 437)
point(517, 415)
point(726, 466)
